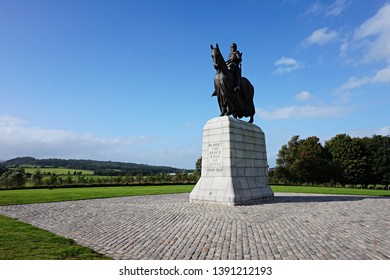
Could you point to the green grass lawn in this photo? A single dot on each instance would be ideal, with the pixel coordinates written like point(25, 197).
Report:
point(21, 241)
point(327, 190)
point(25, 196)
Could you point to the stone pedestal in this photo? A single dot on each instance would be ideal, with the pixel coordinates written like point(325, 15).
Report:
point(234, 164)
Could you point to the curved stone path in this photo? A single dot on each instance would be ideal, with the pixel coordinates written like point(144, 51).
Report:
point(292, 226)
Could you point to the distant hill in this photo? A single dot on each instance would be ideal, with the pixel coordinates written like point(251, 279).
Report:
point(99, 167)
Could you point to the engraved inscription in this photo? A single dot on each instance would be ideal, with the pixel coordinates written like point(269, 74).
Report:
point(215, 154)
point(215, 159)
point(214, 171)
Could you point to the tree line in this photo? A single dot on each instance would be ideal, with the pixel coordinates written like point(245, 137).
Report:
point(342, 160)
point(15, 178)
point(105, 168)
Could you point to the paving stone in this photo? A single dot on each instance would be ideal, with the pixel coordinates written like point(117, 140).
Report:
point(292, 226)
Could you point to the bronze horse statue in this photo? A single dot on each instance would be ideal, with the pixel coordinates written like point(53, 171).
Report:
point(236, 103)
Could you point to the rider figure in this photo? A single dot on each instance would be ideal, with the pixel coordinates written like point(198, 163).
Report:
point(233, 63)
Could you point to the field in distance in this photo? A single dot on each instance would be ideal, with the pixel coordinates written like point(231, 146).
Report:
point(58, 171)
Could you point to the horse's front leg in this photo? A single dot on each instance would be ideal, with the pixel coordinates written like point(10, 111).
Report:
point(220, 104)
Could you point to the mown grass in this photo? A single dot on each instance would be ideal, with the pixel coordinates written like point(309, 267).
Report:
point(328, 190)
point(26, 196)
point(21, 241)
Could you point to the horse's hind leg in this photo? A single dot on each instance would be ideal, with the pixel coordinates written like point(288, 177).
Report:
point(251, 120)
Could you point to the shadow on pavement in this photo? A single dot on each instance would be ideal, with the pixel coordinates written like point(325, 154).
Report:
point(280, 198)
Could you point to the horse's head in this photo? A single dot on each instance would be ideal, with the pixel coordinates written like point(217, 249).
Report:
point(216, 56)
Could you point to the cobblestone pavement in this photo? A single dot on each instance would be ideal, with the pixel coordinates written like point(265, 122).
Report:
point(292, 226)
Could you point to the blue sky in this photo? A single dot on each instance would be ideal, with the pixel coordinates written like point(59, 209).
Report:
point(132, 80)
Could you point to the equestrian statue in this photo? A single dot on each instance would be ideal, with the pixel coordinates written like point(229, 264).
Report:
point(234, 92)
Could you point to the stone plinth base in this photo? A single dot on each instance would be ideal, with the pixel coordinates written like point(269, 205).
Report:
point(234, 163)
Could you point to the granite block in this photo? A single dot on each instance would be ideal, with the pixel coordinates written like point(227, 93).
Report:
point(234, 163)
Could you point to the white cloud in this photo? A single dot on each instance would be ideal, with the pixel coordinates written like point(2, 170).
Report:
point(10, 121)
point(368, 132)
point(372, 38)
point(320, 111)
point(321, 37)
point(354, 82)
point(375, 33)
point(286, 65)
point(315, 9)
point(285, 61)
point(381, 77)
point(384, 130)
point(337, 8)
point(332, 10)
point(17, 139)
point(303, 96)
point(345, 47)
